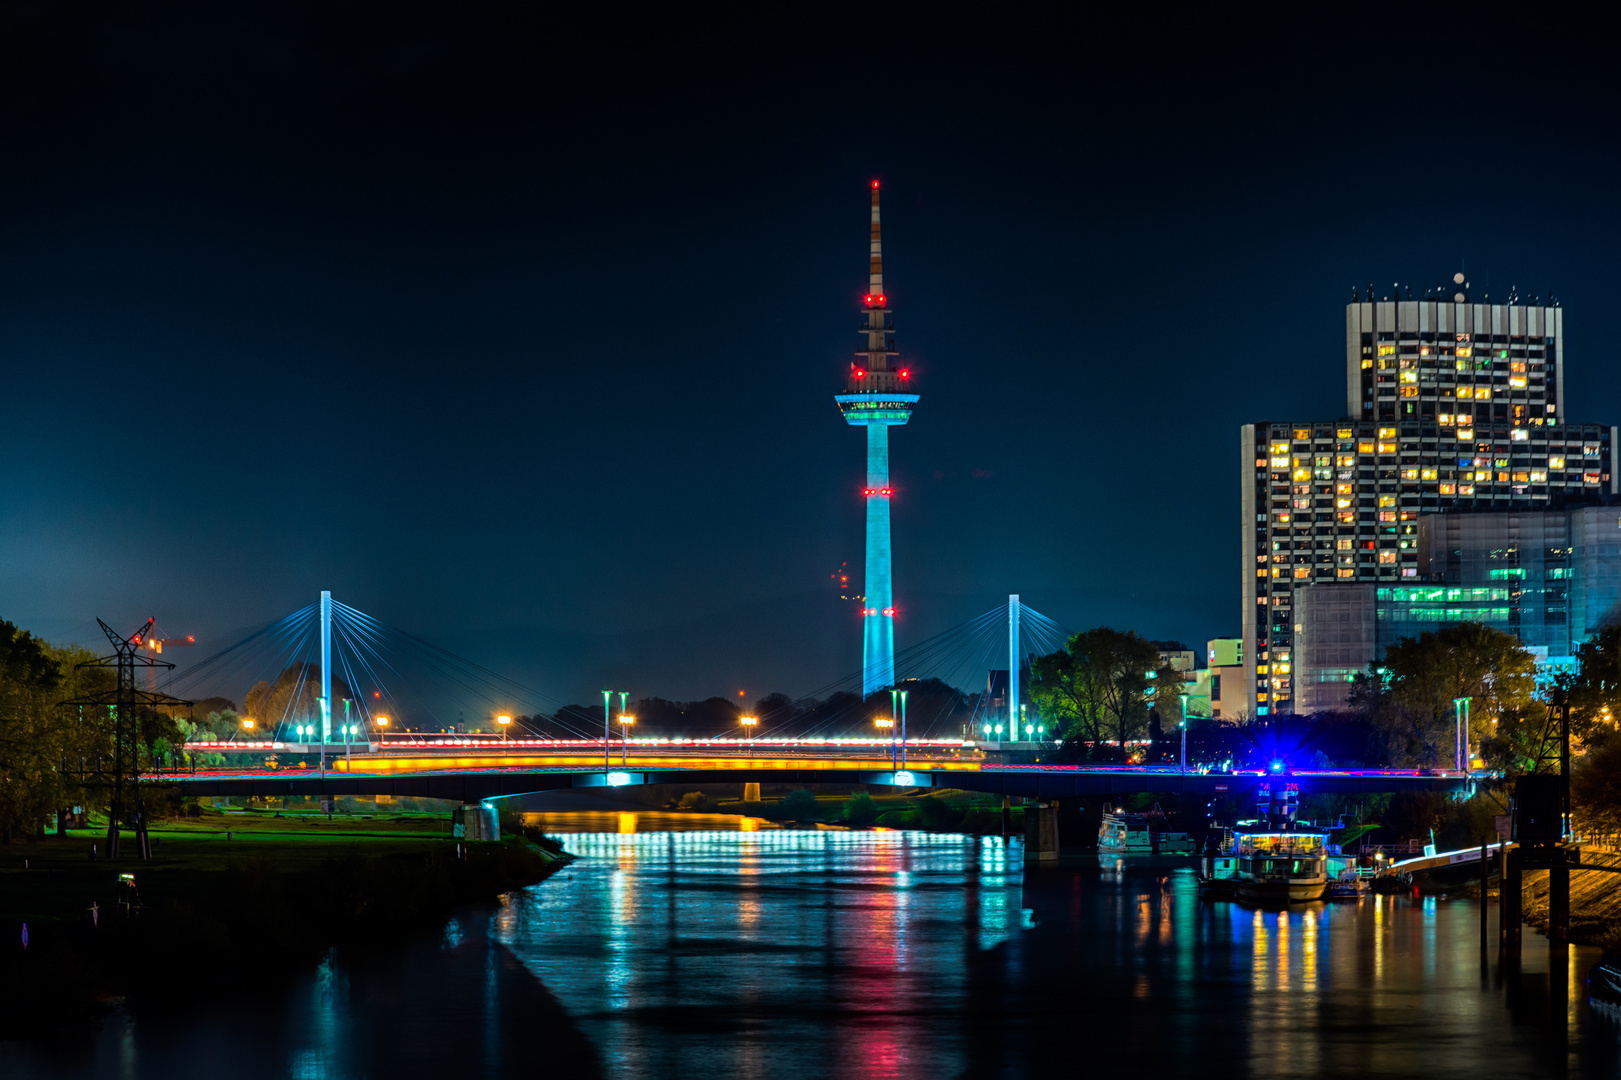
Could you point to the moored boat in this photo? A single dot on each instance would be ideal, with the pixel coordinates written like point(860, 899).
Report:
point(1434, 872)
point(1124, 833)
point(1281, 866)
point(1349, 885)
point(1218, 865)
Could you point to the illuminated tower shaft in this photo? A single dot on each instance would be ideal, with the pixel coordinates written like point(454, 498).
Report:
point(878, 611)
point(877, 395)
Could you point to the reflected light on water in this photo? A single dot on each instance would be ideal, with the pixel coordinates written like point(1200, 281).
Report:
point(789, 954)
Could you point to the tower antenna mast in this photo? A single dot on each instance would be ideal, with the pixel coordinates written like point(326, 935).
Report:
point(877, 396)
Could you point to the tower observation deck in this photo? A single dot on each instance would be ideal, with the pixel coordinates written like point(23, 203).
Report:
point(877, 396)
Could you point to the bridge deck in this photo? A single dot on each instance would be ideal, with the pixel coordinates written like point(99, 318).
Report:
point(472, 779)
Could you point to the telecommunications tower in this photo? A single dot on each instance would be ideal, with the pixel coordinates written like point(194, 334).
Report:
point(877, 396)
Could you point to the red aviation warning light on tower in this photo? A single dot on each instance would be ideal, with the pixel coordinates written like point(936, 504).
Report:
point(877, 396)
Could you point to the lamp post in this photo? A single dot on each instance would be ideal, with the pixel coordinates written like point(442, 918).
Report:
point(607, 720)
point(506, 725)
point(382, 728)
point(1183, 724)
point(1022, 710)
point(749, 724)
point(887, 723)
point(625, 721)
point(1460, 733)
point(903, 729)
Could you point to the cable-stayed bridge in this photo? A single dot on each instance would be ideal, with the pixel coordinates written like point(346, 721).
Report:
point(341, 678)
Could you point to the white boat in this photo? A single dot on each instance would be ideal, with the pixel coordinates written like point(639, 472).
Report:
point(1281, 866)
point(1218, 866)
point(1349, 885)
point(1125, 834)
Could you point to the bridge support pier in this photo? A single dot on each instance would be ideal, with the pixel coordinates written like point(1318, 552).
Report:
point(751, 792)
point(475, 822)
point(1041, 832)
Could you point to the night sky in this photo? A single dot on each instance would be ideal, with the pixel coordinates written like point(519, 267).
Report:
point(520, 330)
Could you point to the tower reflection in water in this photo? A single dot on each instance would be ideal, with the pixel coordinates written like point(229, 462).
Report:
point(767, 952)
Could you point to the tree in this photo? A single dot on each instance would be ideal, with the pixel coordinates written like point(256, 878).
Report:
point(800, 805)
point(1409, 694)
point(860, 810)
point(933, 706)
point(774, 709)
point(294, 698)
point(1594, 691)
point(1097, 687)
point(37, 737)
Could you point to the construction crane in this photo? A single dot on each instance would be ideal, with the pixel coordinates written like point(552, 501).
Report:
point(154, 646)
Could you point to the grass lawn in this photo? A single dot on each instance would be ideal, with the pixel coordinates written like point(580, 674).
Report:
point(57, 879)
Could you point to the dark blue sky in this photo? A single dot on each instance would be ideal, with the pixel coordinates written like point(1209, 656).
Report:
point(521, 334)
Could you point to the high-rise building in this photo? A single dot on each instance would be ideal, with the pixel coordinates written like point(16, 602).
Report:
point(877, 396)
point(1549, 577)
point(1453, 406)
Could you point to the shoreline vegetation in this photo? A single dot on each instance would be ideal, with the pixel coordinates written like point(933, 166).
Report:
point(229, 899)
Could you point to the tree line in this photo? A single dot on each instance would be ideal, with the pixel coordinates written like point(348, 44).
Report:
point(50, 754)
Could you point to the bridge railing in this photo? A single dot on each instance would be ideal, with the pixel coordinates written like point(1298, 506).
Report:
point(1599, 841)
point(1402, 847)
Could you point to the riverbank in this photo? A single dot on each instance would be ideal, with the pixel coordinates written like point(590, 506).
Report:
point(1595, 902)
point(228, 900)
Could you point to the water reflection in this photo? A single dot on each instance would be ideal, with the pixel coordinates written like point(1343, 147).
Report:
point(780, 954)
point(651, 821)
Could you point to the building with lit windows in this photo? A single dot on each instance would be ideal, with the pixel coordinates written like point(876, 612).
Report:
point(877, 396)
point(1454, 408)
point(1552, 578)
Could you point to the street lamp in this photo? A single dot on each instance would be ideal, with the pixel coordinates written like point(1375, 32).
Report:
point(247, 722)
point(1022, 709)
point(1460, 733)
point(607, 721)
point(625, 721)
point(749, 724)
point(382, 727)
point(1183, 724)
point(903, 729)
point(887, 723)
point(506, 723)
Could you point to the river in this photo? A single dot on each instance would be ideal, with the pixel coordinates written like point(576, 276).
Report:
point(674, 951)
